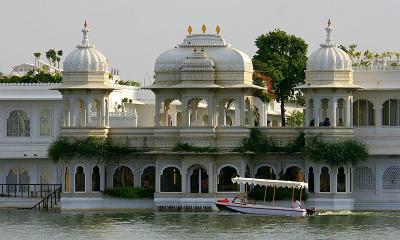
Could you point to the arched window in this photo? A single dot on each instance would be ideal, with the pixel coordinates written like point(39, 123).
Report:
point(341, 180)
point(364, 179)
point(363, 113)
point(18, 175)
point(311, 180)
point(294, 173)
point(45, 123)
point(171, 180)
point(18, 124)
point(96, 179)
point(79, 179)
point(45, 176)
point(148, 179)
point(325, 180)
point(391, 178)
point(390, 112)
point(224, 178)
point(265, 172)
point(198, 180)
point(123, 177)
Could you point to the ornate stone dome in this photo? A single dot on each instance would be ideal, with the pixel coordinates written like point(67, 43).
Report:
point(225, 57)
point(329, 57)
point(85, 58)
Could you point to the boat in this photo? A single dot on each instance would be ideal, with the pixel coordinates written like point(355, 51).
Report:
point(241, 204)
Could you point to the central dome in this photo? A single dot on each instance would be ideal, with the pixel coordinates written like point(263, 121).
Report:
point(225, 57)
point(329, 57)
point(85, 58)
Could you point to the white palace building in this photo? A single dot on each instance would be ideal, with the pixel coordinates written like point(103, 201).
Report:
point(203, 95)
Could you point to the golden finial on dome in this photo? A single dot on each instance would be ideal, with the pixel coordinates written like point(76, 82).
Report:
point(329, 22)
point(203, 28)
point(85, 24)
point(218, 29)
point(190, 29)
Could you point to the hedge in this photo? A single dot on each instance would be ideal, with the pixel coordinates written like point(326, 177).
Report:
point(130, 192)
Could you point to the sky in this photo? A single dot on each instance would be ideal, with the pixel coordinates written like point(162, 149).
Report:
point(132, 33)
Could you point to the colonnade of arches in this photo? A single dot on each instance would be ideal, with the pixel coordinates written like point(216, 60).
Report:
point(324, 112)
point(328, 111)
point(78, 112)
point(203, 111)
point(122, 176)
point(329, 179)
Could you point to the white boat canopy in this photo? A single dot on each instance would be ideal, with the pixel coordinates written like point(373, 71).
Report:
point(270, 183)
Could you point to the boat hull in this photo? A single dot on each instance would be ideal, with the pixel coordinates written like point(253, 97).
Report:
point(261, 209)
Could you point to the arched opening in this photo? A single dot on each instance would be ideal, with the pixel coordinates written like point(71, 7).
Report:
point(123, 177)
point(311, 180)
point(325, 180)
point(340, 112)
point(265, 172)
point(18, 124)
point(198, 109)
point(79, 179)
point(96, 179)
point(324, 119)
point(148, 179)
point(341, 180)
point(390, 112)
point(363, 113)
point(198, 180)
point(171, 113)
point(224, 178)
point(311, 113)
point(171, 180)
point(228, 112)
point(67, 180)
point(294, 173)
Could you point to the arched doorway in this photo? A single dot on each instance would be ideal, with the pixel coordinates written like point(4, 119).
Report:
point(265, 172)
point(341, 180)
point(148, 179)
point(294, 173)
point(96, 179)
point(67, 180)
point(311, 180)
point(171, 180)
point(198, 180)
point(79, 179)
point(224, 178)
point(325, 180)
point(123, 177)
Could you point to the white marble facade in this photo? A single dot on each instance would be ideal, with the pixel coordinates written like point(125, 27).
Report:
point(202, 94)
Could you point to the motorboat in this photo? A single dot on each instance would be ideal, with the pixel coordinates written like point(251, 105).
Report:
point(241, 204)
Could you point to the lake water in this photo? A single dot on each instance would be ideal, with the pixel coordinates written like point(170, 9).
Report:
point(16, 224)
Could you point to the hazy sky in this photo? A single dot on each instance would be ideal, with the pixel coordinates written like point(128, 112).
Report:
point(133, 33)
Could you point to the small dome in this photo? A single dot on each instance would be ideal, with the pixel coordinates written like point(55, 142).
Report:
point(85, 58)
point(329, 57)
point(198, 61)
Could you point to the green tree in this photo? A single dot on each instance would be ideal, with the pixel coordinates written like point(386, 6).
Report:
point(296, 119)
point(283, 58)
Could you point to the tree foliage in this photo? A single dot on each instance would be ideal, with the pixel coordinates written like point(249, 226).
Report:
point(186, 147)
point(258, 143)
point(31, 77)
point(296, 119)
point(338, 153)
point(283, 58)
point(91, 148)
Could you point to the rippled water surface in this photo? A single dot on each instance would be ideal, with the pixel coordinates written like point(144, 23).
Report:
point(216, 225)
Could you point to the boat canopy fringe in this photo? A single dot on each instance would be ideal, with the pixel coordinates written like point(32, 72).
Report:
point(270, 183)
